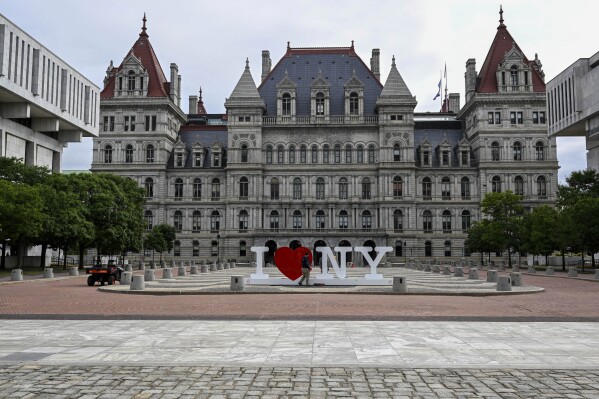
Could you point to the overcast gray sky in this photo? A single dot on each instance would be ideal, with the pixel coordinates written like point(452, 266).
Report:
point(210, 40)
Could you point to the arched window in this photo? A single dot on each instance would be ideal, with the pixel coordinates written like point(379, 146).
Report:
point(178, 221)
point(319, 103)
point(108, 154)
point(196, 248)
point(149, 185)
point(427, 221)
point(397, 221)
point(303, 152)
point(214, 222)
point(320, 188)
point(286, 104)
point(319, 219)
point(366, 187)
point(243, 188)
point(337, 154)
point(514, 75)
point(292, 154)
point(371, 154)
point(129, 153)
point(496, 184)
point(297, 219)
point(354, 108)
point(343, 220)
point(446, 221)
point(428, 248)
point(465, 188)
point(447, 248)
point(274, 188)
point(297, 188)
point(244, 153)
point(518, 185)
point(542, 187)
point(396, 153)
point(348, 154)
point(197, 189)
point(366, 220)
point(243, 220)
point(465, 220)
point(325, 154)
point(131, 81)
point(360, 154)
point(269, 155)
point(178, 189)
point(196, 221)
point(426, 188)
point(280, 154)
point(343, 188)
point(274, 220)
point(540, 151)
point(177, 248)
point(215, 194)
point(517, 151)
point(149, 218)
point(446, 188)
point(314, 154)
point(150, 153)
point(242, 248)
point(397, 187)
point(495, 151)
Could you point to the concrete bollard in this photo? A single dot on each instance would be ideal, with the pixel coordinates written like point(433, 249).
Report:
point(597, 274)
point(16, 275)
point(491, 276)
point(572, 272)
point(73, 271)
point(204, 269)
point(237, 283)
point(193, 270)
point(126, 278)
point(549, 271)
point(153, 266)
point(531, 269)
point(167, 273)
point(501, 267)
point(128, 268)
point(213, 267)
point(182, 264)
point(142, 266)
point(193, 262)
point(516, 268)
point(182, 272)
point(435, 269)
point(173, 264)
point(149, 275)
point(516, 279)
point(446, 270)
point(226, 266)
point(48, 272)
point(457, 272)
point(233, 265)
point(400, 284)
point(473, 274)
point(219, 266)
point(504, 283)
point(138, 283)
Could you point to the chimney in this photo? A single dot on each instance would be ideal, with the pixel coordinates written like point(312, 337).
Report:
point(454, 103)
point(375, 64)
point(193, 104)
point(470, 78)
point(266, 64)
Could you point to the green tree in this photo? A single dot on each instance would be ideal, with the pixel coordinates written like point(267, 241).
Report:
point(585, 214)
point(505, 212)
point(154, 241)
point(15, 171)
point(580, 184)
point(480, 238)
point(169, 234)
point(540, 233)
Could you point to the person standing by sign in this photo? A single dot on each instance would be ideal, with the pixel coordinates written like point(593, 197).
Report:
point(305, 270)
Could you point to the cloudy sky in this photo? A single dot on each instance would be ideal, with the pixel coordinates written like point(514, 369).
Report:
point(210, 40)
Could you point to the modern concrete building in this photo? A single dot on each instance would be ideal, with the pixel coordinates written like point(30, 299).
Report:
point(44, 102)
point(324, 153)
point(573, 105)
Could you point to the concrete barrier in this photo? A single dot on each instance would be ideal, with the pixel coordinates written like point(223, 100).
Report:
point(501, 267)
point(400, 284)
point(149, 275)
point(226, 265)
point(516, 279)
point(182, 272)
point(163, 264)
point(73, 271)
point(446, 270)
point(597, 274)
point(182, 264)
point(126, 278)
point(204, 269)
point(167, 273)
point(16, 275)
point(213, 267)
point(549, 271)
point(142, 266)
point(516, 268)
point(48, 272)
point(219, 266)
point(473, 274)
point(504, 283)
point(237, 283)
point(458, 272)
point(193, 270)
point(491, 276)
point(233, 265)
point(435, 269)
point(572, 272)
point(138, 283)
point(531, 269)
point(128, 268)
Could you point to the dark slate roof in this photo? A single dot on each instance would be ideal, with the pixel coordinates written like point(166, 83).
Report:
point(435, 137)
point(207, 136)
point(303, 66)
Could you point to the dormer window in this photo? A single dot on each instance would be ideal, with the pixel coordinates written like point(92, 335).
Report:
point(179, 159)
point(445, 158)
point(514, 76)
point(286, 104)
point(131, 81)
point(426, 158)
point(464, 156)
point(354, 108)
point(216, 160)
point(319, 103)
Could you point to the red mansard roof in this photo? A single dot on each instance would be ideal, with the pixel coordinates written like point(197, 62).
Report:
point(142, 50)
point(502, 44)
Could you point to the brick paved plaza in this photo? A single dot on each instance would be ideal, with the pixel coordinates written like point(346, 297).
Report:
point(62, 339)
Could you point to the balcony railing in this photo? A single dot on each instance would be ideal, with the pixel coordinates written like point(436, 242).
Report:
point(320, 120)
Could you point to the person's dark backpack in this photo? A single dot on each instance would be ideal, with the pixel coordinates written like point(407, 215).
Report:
point(305, 264)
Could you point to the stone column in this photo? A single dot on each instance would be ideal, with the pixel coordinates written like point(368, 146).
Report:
point(138, 283)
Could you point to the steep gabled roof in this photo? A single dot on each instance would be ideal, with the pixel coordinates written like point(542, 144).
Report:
point(502, 44)
point(395, 85)
point(245, 92)
point(158, 86)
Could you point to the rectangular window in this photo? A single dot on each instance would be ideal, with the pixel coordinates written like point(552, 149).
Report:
point(132, 123)
point(491, 118)
point(465, 158)
point(497, 118)
point(519, 118)
point(126, 125)
point(105, 125)
point(426, 158)
point(112, 124)
point(147, 123)
point(445, 158)
point(542, 117)
point(513, 118)
point(535, 117)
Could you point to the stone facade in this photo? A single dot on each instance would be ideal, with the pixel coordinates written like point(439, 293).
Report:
point(321, 153)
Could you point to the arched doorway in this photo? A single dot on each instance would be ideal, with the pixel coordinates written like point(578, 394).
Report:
point(269, 257)
point(372, 253)
point(295, 244)
point(349, 255)
point(317, 256)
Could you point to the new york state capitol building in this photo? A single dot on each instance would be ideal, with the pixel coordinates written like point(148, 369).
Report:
point(324, 153)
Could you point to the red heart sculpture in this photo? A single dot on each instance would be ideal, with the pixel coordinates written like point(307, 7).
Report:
point(289, 261)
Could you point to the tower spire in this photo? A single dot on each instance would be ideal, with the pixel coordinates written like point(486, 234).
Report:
point(143, 27)
point(501, 24)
